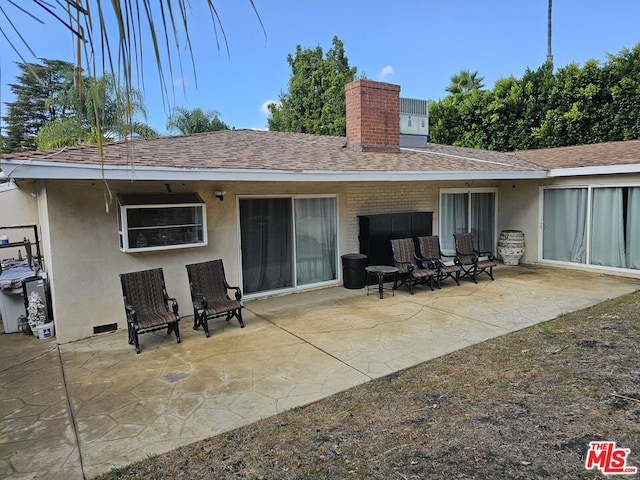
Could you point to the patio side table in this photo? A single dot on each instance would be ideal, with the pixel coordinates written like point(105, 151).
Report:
point(380, 272)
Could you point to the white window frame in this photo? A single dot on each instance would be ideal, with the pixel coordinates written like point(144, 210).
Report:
point(123, 227)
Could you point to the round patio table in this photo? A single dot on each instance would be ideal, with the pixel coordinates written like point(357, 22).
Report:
point(380, 272)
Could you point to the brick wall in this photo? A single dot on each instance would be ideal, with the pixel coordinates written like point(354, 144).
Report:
point(373, 116)
point(386, 197)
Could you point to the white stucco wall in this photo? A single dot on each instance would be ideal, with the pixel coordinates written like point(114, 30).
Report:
point(80, 238)
point(85, 260)
point(518, 210)
point(18, 206)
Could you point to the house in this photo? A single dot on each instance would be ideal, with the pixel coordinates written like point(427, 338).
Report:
point(281, 208)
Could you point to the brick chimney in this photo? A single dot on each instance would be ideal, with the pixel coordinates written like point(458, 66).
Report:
point(373, 116)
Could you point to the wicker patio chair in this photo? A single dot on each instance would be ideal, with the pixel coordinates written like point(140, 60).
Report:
point(209, 294)
point(430, 252)
point(471, 261)
point(409, 273)
point(146, 304)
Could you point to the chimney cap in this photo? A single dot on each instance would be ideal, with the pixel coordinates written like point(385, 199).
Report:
point(366, 83)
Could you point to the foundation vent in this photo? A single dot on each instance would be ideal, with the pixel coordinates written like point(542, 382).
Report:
point(109, 327)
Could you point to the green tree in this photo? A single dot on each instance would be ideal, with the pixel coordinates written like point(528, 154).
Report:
point(622, 75)
point(517, 109)
point(464, 82)
point(315, 101)
point(535, 102)
point(575, 105)
point(576, 108)
point(61, 133)
point(161, 27)
point(108, 112)
point(100, 114)
point(504, 114)
point(445, 126)
point(462, 120)
point(185, 121)
point(35, 88)
point(71, 131)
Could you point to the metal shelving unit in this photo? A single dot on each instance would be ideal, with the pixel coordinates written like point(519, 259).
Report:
point(26, 243)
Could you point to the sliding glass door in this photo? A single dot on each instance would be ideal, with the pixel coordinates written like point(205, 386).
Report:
point(468, 211)
point(565, 225)
point(266, 238)
point(632, 228)
point(608, 227)
point(592, 225)
point(287, 242)
point(316, 232)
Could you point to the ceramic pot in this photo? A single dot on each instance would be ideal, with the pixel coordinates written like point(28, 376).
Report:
point(511, 246)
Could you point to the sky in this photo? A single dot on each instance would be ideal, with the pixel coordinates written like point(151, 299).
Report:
point(417, 44)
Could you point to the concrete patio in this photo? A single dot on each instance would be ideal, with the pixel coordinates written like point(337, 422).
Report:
point(76, 410)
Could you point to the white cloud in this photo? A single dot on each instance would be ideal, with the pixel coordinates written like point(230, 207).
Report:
point(385, 72)
point(177, 82)
point(265, 106)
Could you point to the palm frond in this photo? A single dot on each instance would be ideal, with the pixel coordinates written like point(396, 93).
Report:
point(138, 29)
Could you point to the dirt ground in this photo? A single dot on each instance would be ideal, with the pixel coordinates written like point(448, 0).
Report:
point(522, 406)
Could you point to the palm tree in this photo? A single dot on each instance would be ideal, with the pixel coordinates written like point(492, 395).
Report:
point(464, 82)
point(101, 115)
point(60, 133)
point(185, 121)
point(108, 112)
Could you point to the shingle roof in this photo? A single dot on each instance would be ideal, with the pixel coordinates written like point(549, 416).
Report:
point(255, 149)
point(592, 155)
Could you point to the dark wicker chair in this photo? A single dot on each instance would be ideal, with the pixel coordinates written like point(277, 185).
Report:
point(431, 255)
point(409, 273)
point(209, 294)
point(469, 259)
point(146, 304)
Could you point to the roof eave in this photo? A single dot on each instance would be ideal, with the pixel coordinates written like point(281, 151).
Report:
point(76, 171)
point(596, 170)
